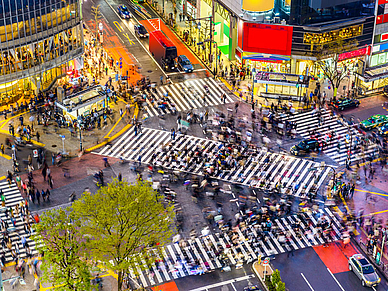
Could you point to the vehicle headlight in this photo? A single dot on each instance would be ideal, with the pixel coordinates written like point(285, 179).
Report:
point(379, 280)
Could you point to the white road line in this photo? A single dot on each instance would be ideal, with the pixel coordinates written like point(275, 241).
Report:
point(307, 282)
point(335, 279)
point(223, 283)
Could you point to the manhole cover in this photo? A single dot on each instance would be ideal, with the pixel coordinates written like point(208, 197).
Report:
point(54, 145)
point(149, 71)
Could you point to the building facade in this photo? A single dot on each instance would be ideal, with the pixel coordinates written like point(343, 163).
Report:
point(286, 37)
point(40, 40)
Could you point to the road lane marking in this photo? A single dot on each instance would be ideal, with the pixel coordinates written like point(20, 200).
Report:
point(233, 286)
point(118, 26)
point(377, 193)
point(131, 42)
point(223, 283)
point(335, 279)
point(307, 282)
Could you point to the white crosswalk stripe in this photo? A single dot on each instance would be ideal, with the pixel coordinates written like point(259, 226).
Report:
point(204, 254)
point(12, 198)
point(261, 170)
point(307, 122)
point(186, 95)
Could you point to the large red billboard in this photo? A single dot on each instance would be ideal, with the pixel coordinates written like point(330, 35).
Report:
point(267, 39)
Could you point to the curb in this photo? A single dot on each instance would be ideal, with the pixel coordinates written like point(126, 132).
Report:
point(259, 277)
point(371, 260)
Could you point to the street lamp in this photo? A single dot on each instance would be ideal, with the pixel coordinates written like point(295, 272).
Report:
point(253, 82)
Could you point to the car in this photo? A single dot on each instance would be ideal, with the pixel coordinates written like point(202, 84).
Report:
point(364, 270)
point(344, 103)
point(306, 146)
point(374, 121)
point(141, 31)
point(124, 12)
point(383, 131)
point(184, 64)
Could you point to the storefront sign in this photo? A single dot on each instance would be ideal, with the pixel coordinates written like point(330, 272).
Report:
point(384, 37)
point(257, 5)
point(353, 54)
point(267, 39)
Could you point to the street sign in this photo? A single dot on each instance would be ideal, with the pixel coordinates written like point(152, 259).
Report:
point(35, 152)
point(266, 262)
point(63, 137)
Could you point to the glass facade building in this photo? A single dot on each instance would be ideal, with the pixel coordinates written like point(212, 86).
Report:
point(40, 40)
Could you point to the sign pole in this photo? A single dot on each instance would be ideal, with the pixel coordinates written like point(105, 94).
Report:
point(253, 82)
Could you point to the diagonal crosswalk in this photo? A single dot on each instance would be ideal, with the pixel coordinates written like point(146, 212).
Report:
point(243, 244)
point(307, 121)
point(13, 197)
point(261, 169)
point(186, 95)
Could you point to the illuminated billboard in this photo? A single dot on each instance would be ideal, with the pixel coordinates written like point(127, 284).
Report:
point(257, 5)
point(267, 39)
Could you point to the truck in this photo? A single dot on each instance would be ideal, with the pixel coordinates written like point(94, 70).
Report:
point(163, 50)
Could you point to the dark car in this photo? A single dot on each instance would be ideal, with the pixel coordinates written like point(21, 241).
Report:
point(124, 12)
point(306, 146)
point(184, 64)
point(141, 31)
point(344, 103)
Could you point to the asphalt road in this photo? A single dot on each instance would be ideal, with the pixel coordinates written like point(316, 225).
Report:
point(368, 106)
point(138, 48)
point(235, 280)
point(321, 269)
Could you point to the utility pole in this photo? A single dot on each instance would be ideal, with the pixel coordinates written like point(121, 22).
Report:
point(211, 35)
point(96, 16)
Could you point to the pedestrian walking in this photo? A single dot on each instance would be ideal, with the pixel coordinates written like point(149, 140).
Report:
point(37, 136)
point(37, 196)
point(290, 250)
point(236, 107)
point(173, 133)
point(2, 148)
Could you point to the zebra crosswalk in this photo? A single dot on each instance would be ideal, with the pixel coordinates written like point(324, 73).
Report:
point(13, 197)
point(242, 245)
point(187, 95)
point(307, 121)
point(261, 169)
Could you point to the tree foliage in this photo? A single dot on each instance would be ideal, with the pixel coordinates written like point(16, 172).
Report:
point(123, 222)
point(64, 264)
point(275, 278)
point(327, 60)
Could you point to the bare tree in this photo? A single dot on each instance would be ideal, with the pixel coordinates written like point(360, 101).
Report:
point(327, 61)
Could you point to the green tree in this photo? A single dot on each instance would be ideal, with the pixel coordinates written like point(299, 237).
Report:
point(63, 264)
point(328, 57)
point(123, 222)
point(275, 278)
point(281, 286)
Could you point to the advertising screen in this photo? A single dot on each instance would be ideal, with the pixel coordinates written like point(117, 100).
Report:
point(257, 5)
point(267, 39)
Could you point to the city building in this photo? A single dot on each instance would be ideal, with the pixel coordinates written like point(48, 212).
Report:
point(284, 38)
point(40, 41)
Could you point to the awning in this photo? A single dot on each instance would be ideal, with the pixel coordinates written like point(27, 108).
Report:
point(266, 58)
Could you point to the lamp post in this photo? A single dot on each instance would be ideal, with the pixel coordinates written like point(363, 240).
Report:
point(253, 82)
